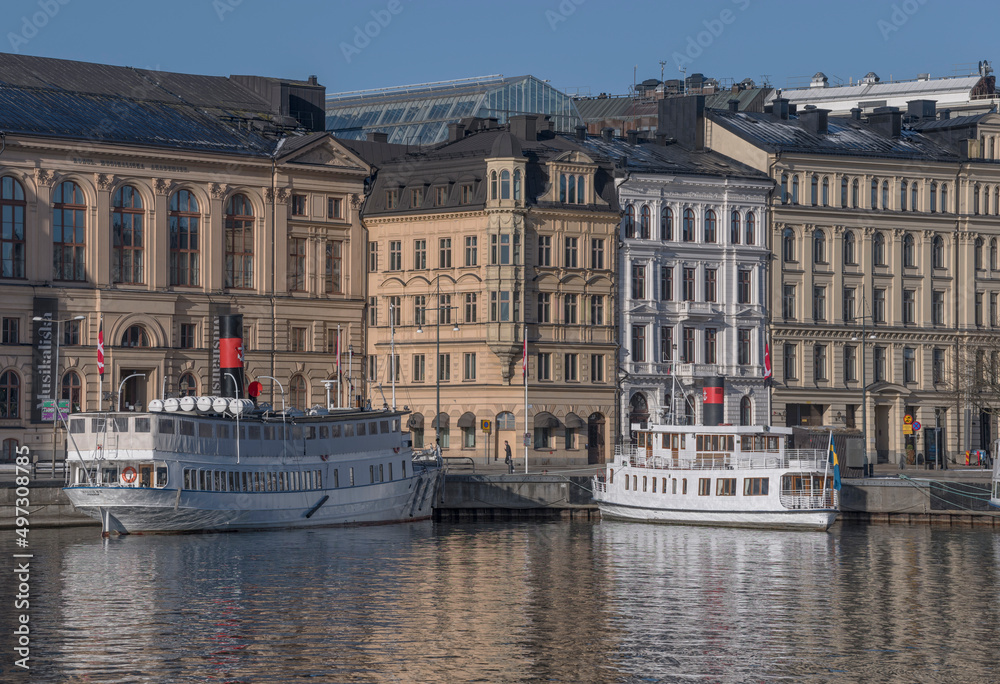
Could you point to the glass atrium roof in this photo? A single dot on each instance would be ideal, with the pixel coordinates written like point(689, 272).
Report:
point(420, 114)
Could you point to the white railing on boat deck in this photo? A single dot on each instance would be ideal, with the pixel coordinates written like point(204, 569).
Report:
point(806, 459)
point(799, 500)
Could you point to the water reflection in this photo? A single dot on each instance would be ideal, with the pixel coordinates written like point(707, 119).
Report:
point(563, 602)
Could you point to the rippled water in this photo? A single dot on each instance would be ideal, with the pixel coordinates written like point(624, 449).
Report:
point(554, 602)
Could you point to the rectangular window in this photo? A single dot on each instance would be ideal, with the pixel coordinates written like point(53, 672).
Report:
point(909, 306)
point(819, 303)
point(850, 364)
point(710, 345)
point(187, 335)
point(597, 310)
point(544, 366)
point(878, 355)
point(471, 307)
point(819, 362)
point(466, 193)
point(334, 208)
point(391, 198)
point(743, 346)
point(743, 286)
point(297, 265)
point(688, 284)
point(710, 275)
point(569, 258)
point(788, 302)
point(993, 309)
point(440, 196)
point(638, 281)
point(331, 340)
point(298, 339)
point(571, 367)
point(909, 364)
point(687, 352)
point(638, 343)
point(394, 307)
point(373, 311)
point(419, 367)
point(500, 306)
point(666, 344)
point(597, 253)
point(500, 250)
point(878, 305)
point(544, 250)
point(444, 309)
point(755, 486)
point(937, 307)
point(597, 367)
point(444, 367)
point(789, 364)
point(11, 331)
point(544, 307)
point(938, 365)
point(667, 283)
point(395, 255)
point(420, 310)
point(979, 308)
point(725, 486)
point(848, 304)
point(420, 255)
point(334, 258)
point(471, 250)
point(704, 486)
point(373, 256)
point(416, 198)
point(444, 253)
point(71, 333)
point(570, 309)
point(298, 205)
point(469, 366)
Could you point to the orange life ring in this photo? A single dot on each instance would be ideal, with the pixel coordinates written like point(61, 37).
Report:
point(129, 474)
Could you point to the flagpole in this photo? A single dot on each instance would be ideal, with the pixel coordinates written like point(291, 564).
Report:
point(338, 365)
point(524, 373)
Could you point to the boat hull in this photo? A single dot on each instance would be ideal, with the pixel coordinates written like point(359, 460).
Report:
point(819, 520)
point(150, 510)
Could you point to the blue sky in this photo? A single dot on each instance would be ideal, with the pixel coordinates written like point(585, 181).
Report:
point(578, 45)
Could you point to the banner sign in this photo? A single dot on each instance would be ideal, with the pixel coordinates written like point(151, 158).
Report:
point(43, 356)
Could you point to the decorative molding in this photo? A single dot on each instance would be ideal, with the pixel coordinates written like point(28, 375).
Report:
point(218, 190)
point(104, 181)
point(355, 200)
point(161, 186)
point(282, 195)
point(44, 177)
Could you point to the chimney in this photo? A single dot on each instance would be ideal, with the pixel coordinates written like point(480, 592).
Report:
point(887, 120)
point(780, 108)
point(632, 136)
point(313, 81)
point(815, 120)
point(456, 131)
point(523, 127)
point(792, 109)
point(683, 118)
point(490, 123)
point(856, 113)
point(734, 105)
point(377, 137)
point(608, 133)
point(581, 132)
point(661, 139)
point(921, 109)
point(944, 115)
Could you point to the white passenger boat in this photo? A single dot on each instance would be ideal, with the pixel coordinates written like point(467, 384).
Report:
point(216, 464)
point(719, 475)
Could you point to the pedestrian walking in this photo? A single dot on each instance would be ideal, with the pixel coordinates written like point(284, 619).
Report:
point(508, 456)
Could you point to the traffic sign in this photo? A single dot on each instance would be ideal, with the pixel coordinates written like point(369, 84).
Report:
point(485, 425)
point(908, 419)
point(916, 426)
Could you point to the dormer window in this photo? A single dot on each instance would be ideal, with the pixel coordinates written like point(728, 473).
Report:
point(440, 196)
point(391, 199)
point(571, 189)
point(493, 185)
point(416, 197)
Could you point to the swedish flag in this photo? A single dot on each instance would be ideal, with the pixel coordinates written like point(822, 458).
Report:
point(836, 464)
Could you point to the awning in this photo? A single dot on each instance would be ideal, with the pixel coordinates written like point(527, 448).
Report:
point(441, 422)
point(467, 420)
point(573, 421)
point(546, 420)
point(416, 421)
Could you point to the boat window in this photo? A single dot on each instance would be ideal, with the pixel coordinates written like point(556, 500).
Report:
point(402, 465)
point(684, 486)
point(109, 475)
point(626, 483)
point(222, 431)
point(361, 429)
point(200, 484)
point(97, 425)
point(654, 485)
point(334, 431)
point(673, 486)
point(371, 473)
point(296, 432)
point(187, 478)
point(755, 486)
point(319, 479)
point(336, 478)
point(78, 426)
point(664, 487)
point(725, 486)
point(254, 431)
point(395, 424)
point(282, 482)
point(268, 432)
point(390, 472)
point(381, 473)
point(234, 481)
point(704, 486)
point(241, 478)
point(187, 428)
point(205, 430)
point(161, 476)
point(165, 426)
point(324, 431)
point(635, 482)
point(255, 482)
point(219, 482)
point(142, 424)
point(642, 439)
point(611, 476)
point(120, 424)
point(373, 428)
point(384, 427)
point(348, 429)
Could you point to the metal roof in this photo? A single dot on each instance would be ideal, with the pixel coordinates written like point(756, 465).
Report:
point(651, 157)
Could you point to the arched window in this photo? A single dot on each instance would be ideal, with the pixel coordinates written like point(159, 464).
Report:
point(644, 222)
point(819, 247)
point(12, 208)
point(788, 245)
point(814, 190)
point(795, 189)
point(751, 229)
point(580, 195)
point(885, 194)
point(10, 395)
point(878, 249)
point(571, 189)
point(978, 253)
point(687, 227)
point(986, 201)
point(850, 252)
point(874, 194)
point(666, 224)
point(784, 188)
point(902, 196)
point(914, 204)
point(734, 227)
point(188, 385)
point(69, 213)
point(944, 198)
point(505, 185)
point(628, 222)
point(493, 187)
point(298, 393)
point(843, 192)
point(506, 421)
point(746, 411)
point(184, 228)
point(937, 252)
point(135, 336)
point(517, 185)
point(855, 194)
point(239, 242)
point(72, 391)
point(709, 226)
point(826, 191)
point(993, 254)
point(933, 197)
point(909, 259)
point(127, 236)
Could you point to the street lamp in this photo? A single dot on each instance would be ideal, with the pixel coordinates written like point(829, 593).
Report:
point(865, 336)
point(437, 362)
point(57, 381)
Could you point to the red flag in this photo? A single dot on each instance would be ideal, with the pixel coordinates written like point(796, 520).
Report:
point(100, 348)
point(767, 361)
point(524, 361)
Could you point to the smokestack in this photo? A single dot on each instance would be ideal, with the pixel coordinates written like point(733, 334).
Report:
point(231, 355)
point(713, 401)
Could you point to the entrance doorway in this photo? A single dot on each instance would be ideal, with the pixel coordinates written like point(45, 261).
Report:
point(595, 438)
point(882, 433)
point(134, 393)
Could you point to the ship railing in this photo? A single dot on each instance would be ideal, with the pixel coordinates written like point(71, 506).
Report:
point(805, 459)
point(799, 500)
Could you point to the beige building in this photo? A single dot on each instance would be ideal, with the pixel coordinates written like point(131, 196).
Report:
point(885, 267)
point(472, 242)
point(155, 211)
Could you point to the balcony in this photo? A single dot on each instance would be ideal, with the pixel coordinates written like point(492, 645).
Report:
point(698, 309)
